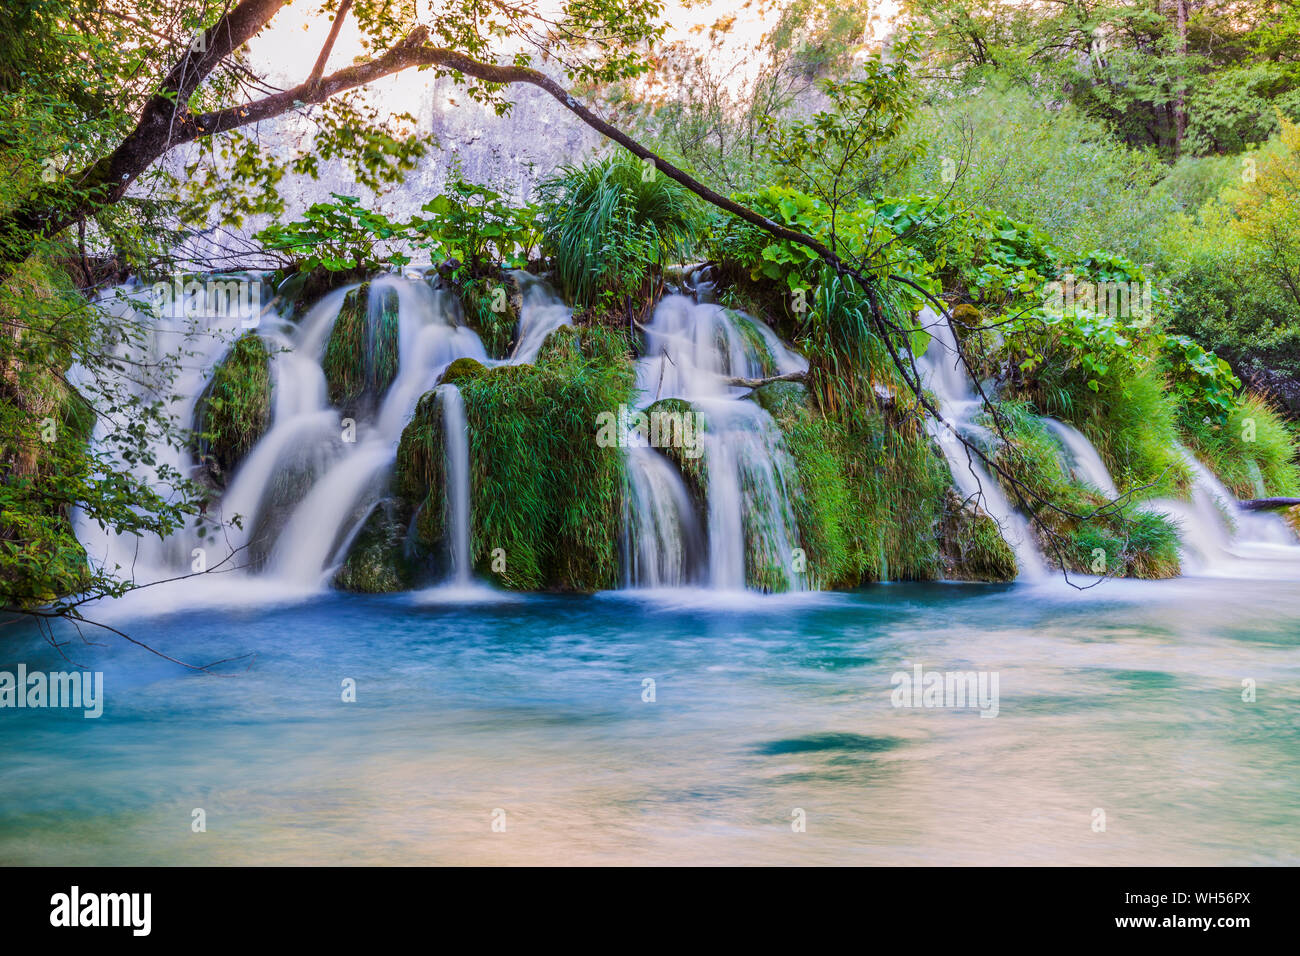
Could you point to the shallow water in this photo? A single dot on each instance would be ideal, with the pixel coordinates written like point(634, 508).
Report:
point(1125, 698)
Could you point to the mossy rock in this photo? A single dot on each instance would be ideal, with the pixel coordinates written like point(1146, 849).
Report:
point(871, 487)
point(234, 411)
point(781, 399)
point(973, 546)
point(362, 354)
point(694, 470)
point(546, 495)
point(571, 344)
point(304, 288)
point(492, 307)
point(1078, 530)
point(756, 342)
point(420, 476)
point(461, 370)
point(381, 559)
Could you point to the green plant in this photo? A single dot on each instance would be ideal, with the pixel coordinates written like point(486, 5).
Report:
point(234, 410)
point(610, 224)
point(337, 236)
point(474, 231)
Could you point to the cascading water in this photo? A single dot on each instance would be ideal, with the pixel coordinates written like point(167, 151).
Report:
point(306, 487)
point(1082, 458)
point(1219, 538)
point(304, 490)
point(749, 532)
point(944, 374)
point(457, 443)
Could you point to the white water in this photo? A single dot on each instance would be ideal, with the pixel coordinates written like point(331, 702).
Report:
point(944, 374)
point(306, 487)
point(692, 349)
point(1220, 539)
point(456, 439)
point(304, 491)
point(1082, 458)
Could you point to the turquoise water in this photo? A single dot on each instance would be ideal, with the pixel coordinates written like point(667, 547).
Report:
point(1126, 699)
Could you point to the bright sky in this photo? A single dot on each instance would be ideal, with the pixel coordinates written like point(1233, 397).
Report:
point(287, 50)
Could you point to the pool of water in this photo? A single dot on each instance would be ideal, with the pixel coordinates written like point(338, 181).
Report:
point(1125, 699)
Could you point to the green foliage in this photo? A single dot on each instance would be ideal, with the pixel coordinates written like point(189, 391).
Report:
point(1208, 84)
point(544, 491)
point(361, 356)
point(234, 410)
point(473, 229)
point(1202, 383)
point(1130, 417)
point(610, 225)
point(1253, 451)
point(870, 503)
point(479, 299)
point(47, 467)
point(833, 153)
point(1056, 170)
point(338, 235)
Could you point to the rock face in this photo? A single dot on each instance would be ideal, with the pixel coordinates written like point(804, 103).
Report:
point(511, 153)
point(381, 559)
point(233, 412)
point(1282, 389)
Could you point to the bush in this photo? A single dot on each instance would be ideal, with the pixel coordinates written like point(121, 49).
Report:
point(610, 225)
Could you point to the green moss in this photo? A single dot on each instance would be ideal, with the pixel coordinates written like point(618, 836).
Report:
point(381, 559)
point(361, 356)
point(304, 288)
point(1130, 419)
point(754, 339)
point(491, 311)
point(547, 499)
point(234, 411)
point(973, 544)
point(871, 489)
point(420, 476)
point(577, 344)
point(460, 370)
point(694, 470)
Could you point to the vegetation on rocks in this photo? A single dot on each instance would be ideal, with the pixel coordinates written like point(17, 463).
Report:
point(548, 500)
point(234, 410)
point(361, 356)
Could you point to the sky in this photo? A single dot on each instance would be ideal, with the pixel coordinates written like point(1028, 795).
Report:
point(287, 50)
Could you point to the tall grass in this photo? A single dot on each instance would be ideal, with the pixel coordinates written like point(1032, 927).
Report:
point(609, 224)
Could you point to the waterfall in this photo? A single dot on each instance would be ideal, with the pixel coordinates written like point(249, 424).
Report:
point(456, 440)
point(944, 374)
point(1219, 538)
point(1082, 458)
point(544, 312)
point(662, 539)
point(307, 486)
point(692, 348)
